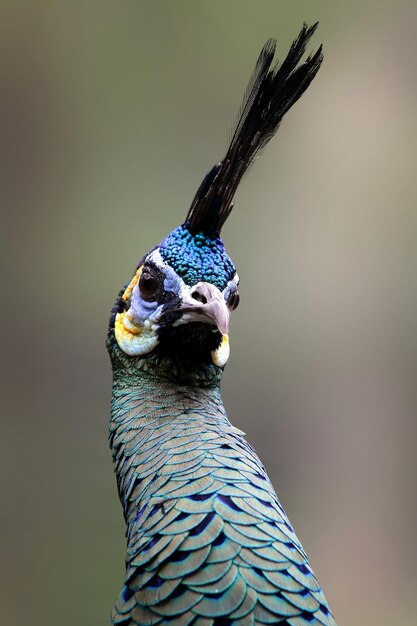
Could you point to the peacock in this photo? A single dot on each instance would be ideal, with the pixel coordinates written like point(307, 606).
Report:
point(208, 542)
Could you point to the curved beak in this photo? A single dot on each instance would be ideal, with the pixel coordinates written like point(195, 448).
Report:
point(205, 303)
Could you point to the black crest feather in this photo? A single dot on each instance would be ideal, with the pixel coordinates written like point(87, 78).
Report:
point(270, 94)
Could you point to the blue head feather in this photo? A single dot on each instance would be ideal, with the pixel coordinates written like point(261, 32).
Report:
point(197, 257)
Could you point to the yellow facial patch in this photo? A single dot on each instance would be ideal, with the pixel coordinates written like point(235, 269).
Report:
point(221, 355)
point(128, 292)
point(133, 339)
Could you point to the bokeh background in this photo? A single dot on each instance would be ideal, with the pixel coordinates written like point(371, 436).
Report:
point(110, 115)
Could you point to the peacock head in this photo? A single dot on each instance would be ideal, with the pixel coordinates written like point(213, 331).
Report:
point(179, 301)
point(180, 298)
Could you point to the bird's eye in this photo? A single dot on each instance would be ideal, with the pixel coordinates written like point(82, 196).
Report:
point(233, 300)
point(149, 285)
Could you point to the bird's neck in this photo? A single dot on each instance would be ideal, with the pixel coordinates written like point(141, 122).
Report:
point(152, 396)
point(155, 371)
point(148, 405)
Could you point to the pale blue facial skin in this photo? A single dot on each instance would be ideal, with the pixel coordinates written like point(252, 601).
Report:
point(171, 282)
point(143, 310)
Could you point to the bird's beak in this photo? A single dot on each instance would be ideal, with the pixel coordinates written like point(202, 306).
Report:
point(205, 303)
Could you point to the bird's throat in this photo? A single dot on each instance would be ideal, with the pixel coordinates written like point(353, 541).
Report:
point(161, 367)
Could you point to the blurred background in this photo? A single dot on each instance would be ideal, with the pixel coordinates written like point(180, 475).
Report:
point(110, 115)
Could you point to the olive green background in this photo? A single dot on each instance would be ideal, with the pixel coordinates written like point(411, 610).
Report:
point(110, 115)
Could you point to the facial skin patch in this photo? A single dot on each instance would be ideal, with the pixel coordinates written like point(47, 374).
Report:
point(133, 338)
point(221, 355)
point(128, 293)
